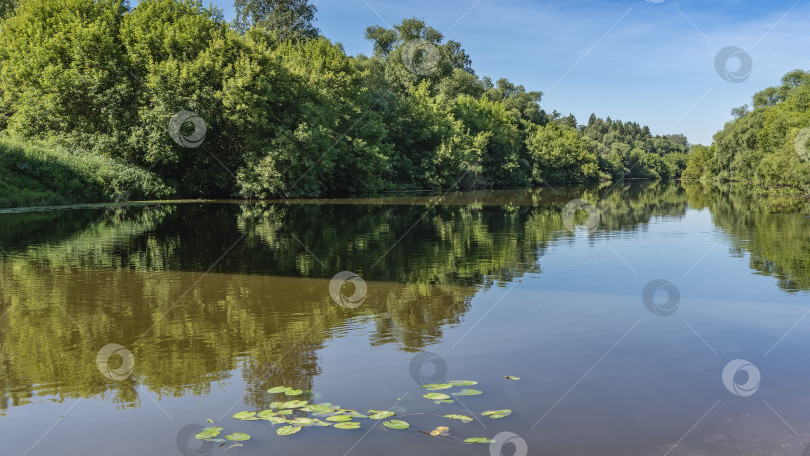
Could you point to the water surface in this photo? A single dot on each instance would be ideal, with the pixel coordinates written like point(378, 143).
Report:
point(219, 301)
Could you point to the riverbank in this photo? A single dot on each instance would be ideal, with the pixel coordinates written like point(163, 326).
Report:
point(41, 174)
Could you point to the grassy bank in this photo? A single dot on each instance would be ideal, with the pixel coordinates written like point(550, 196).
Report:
point(39, 174)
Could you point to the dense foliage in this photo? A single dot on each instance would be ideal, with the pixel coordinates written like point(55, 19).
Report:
point(45, 175)
point(286, 111)
point(767, 145)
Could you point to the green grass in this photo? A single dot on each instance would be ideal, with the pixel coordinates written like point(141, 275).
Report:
point(40, 174)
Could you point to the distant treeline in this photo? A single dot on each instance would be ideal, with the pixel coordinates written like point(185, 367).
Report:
point(285, 111)
point(767, 146)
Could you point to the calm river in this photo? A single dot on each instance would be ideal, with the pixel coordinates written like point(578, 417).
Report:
point(661, 319)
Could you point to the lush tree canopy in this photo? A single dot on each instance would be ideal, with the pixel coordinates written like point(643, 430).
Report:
point(766, 145)
point(290, 19)
point(282, 111)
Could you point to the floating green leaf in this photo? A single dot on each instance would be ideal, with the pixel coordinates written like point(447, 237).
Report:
point(293, 404)
point(293, 392)
point(265, 414)
point(285, 412)
point(274, 405)
point(497, 413)
point(509, 377)
point(463, 418)
point(348, 425)
point(467, 392)
point(463, 382)
point(316, 408)
point(246, 416)
point(436, 396)
point(216, 440)
point(208, 433)
point(396, 424)
point(287, 430)
point(444, 401)
point(303, 421)
point(339, 418)
point(479, 440)
point(210, 420)
point(437, 386)
point(238, 437)
point(380, 415)
point(279, 389)
point(275, 419)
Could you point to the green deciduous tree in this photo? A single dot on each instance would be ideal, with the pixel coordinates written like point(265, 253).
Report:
point(290, 19)
point(561, 155)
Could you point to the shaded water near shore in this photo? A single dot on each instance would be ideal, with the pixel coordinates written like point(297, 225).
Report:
point(219, 301)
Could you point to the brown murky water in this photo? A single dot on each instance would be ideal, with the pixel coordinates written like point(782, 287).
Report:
point(211, 304)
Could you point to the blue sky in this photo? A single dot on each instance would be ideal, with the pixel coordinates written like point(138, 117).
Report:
point(648, 61)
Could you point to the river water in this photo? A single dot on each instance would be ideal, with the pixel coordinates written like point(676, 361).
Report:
point(659, 319)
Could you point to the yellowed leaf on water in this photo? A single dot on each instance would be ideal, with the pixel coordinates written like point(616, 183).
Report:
point(440, 431)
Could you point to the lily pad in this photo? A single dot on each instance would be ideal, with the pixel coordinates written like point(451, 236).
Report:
point(279, 389)
point(463, 418)
point(208, 433)
point(348, 425)
point(265, 414)
point(316, 408)
point(444, 401)
point(238, 437)
point(275, 419)
point(467, 392)
point(339, 418)
point(380, 415)
point(479, 440)
point(463, 382)
point(293, 392)
point(509, 377)
point(440, 431)
point(293, 404)
point(497, 413)
point(396, 424)
point(246, 416)
point(274, 405)
point(436, 396)
point(303, 421)
point(216, 440)
point(287, 430)
point(437, 386)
